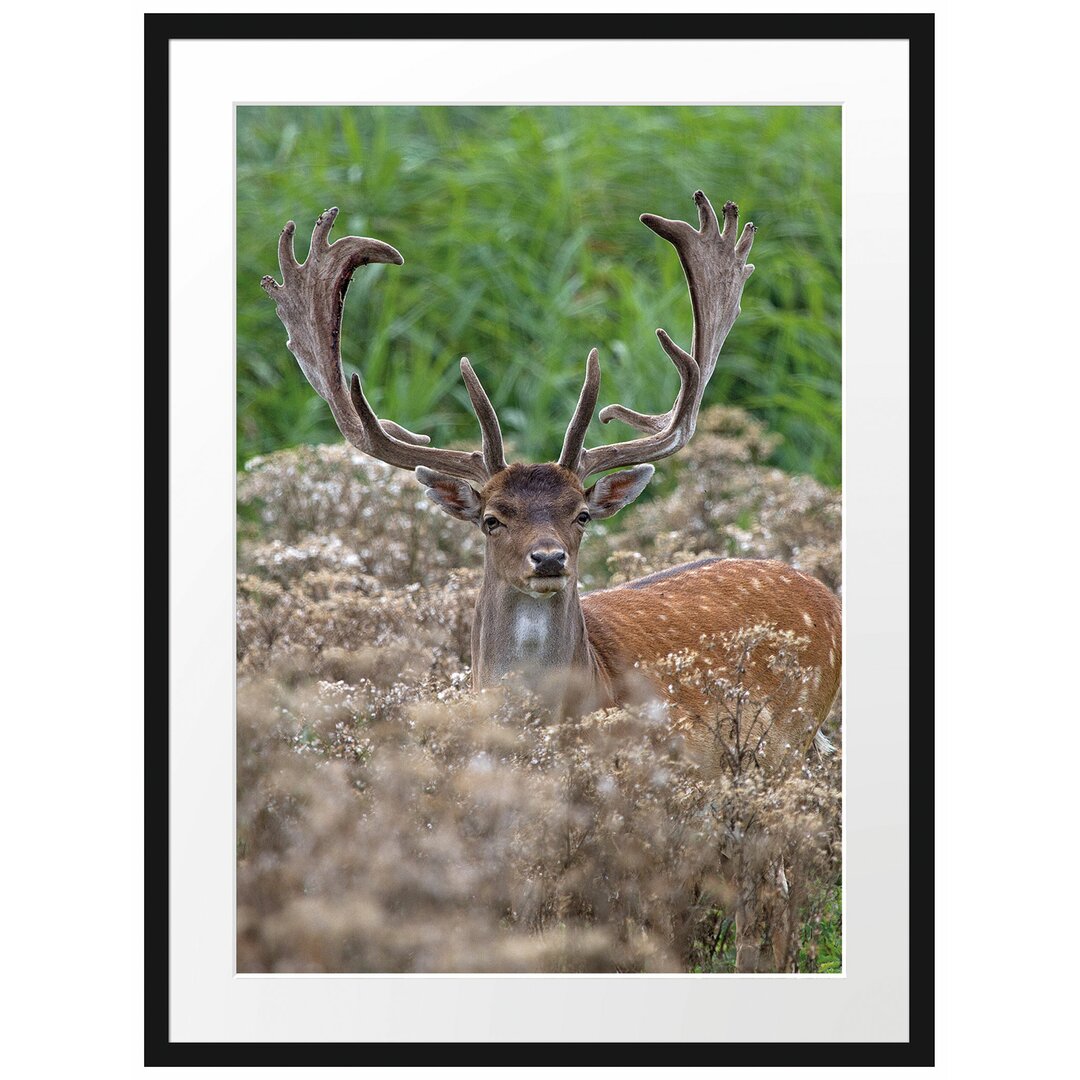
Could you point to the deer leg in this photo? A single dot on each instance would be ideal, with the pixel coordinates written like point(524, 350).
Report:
point(783, 925)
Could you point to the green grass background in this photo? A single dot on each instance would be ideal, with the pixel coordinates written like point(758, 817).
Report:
point(523, 250)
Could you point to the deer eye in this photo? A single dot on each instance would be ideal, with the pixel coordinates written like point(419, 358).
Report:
point(584, 517)
point(491, 523)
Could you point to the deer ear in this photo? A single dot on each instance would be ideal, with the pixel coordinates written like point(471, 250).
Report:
point(612, 492)
point(455, 497)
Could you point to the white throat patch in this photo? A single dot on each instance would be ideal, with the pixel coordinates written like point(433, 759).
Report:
point(532, 625)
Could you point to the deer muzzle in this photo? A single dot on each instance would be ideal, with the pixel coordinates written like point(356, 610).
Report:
point(547, 571)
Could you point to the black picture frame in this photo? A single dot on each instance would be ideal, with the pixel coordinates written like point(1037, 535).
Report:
point(159, 31)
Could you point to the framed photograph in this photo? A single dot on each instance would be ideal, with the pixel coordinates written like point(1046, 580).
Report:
point(539, 606)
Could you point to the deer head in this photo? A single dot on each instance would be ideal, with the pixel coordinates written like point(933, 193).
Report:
point(534, 517)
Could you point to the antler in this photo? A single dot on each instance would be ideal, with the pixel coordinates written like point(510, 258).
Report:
point(716, 271)
point(310, 303)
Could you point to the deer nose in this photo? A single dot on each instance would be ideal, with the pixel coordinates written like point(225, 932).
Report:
point(548, 560)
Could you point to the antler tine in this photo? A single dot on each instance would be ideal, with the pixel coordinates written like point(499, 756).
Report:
point(716, 270)
point(489, 420)
point(574, 439)
point(310, 302)
point(665, 440)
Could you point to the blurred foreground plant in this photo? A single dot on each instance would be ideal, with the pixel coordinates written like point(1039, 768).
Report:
point(412, 827)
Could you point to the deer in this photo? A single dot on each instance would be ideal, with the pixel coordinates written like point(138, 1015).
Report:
point(607, 646)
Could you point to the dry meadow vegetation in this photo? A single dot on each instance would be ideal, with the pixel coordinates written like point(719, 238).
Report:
point(389, 820)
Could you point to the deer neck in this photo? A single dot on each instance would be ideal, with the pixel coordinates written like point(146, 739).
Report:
point(522, 632)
